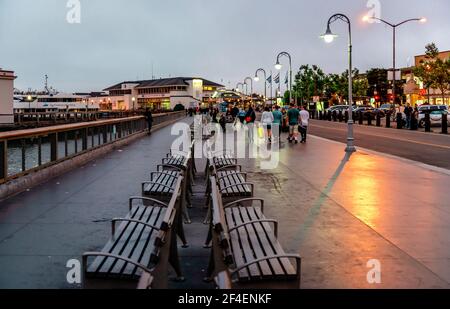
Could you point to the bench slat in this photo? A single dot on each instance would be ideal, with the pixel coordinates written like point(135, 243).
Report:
point(95, 266)
point(241, 245)
point(256, 242)
point(130, 236)
point(142, 253)
point(265, 241)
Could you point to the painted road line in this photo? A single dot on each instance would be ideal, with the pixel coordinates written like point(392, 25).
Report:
point(390, 156)
point(390, 137)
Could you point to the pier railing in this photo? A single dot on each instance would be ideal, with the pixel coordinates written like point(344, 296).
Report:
point(42, 119)
point(26, 151)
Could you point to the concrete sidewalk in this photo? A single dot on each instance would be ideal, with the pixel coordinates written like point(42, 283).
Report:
point(40, 230)
point(340, 214)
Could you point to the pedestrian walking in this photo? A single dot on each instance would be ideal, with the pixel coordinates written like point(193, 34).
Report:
point(414, 125)
point(149, 118)
point(303, 123)
point(235, 111)
point(293, 115)
point(241, 115)
point(408, 112)
point(267, 120)
point(250, 118)
point(223, 123)
point(277, 121)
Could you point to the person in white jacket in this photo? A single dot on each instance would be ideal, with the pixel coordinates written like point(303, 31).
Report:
point(267, 120)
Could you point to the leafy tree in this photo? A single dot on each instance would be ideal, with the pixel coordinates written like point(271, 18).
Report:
point(337, 85)
point(309, 81)
point(434, 72)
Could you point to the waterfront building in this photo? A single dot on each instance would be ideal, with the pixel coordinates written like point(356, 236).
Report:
point(415, 91)
point(159, 94)
point(6, 97)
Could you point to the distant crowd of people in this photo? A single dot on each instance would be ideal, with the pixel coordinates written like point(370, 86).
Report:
point(293, 120)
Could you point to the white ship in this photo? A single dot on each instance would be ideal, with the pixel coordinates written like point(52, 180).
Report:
point(59, 102)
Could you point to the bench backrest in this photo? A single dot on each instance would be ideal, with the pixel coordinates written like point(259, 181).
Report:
point(219, 222)
point(168, 220)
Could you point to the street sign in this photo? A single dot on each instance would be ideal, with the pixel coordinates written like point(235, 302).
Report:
point(398, 75)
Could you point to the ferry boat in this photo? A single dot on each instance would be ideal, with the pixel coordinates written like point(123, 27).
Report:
point(59, 102)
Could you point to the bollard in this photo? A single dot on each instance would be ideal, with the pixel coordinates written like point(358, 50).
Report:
point(346, 116)
point(444, 123)
point(388, 120)
point(369, 118)
point(330, 118)
point(320, 115)
point(427, 122)
point(378, 120)
point(399, 121)
point(334, 116)
point(340, 116)
point(414, 123)
point(360, 118)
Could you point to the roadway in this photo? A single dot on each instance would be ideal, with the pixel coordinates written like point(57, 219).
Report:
point(429, 148)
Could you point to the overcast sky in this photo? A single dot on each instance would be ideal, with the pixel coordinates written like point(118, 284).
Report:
point(221, 40)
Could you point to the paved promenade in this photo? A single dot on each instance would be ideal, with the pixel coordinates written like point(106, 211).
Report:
point(340, 214)
point(337, 214)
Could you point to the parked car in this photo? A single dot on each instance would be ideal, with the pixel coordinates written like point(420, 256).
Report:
point(366, 110)
point(337, 108)
point(435, 111)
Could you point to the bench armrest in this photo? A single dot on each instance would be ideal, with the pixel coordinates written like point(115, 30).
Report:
point(297, 258)
point(239, 184)
point(238, 203)
point(86, 255)
point(155, 183)
point(275, 223)
point(113, 224)
point(140, 198)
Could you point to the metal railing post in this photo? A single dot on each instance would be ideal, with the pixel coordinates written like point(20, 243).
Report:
point(3, 160)
point(84, 137)
point(53, 147)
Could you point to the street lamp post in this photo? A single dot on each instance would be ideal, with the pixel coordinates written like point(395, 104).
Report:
point(251, 86)
point(265, 80)
point(239, 84)
point(329, 37)
point(394, 34)
point(278, 66)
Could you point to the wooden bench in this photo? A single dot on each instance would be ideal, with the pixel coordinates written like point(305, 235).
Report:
point(162, 186)
point(170, 165)
point(145, 242)
point(162, 183)
point(245, 244)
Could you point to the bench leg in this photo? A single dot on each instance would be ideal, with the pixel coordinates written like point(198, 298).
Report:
point(179, 230)
point(208, 239)
point(174, 259)
point(210, 269)
point(184, 201)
